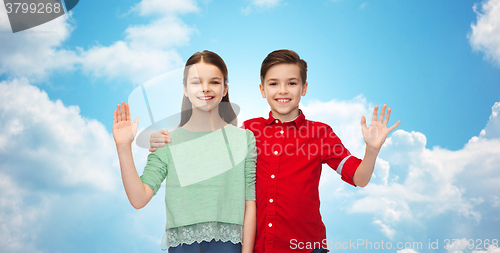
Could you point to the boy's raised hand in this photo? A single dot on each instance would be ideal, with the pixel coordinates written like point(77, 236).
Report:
point(159, 139)
point(123, 130)
point(376, 134)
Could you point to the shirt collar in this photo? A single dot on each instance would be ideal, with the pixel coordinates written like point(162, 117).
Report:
point(297, 121)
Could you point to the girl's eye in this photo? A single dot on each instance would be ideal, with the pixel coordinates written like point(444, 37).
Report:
point(195, 82)
point(272, 84)
point(215, 82)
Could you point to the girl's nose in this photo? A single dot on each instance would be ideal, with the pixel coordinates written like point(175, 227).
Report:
point(205, 87)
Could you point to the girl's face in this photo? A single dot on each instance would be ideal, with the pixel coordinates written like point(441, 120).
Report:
point(205, 86)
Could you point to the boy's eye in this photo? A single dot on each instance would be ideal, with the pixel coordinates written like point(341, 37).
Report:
point(215, 82)
point(272, 84)
point(293, 83)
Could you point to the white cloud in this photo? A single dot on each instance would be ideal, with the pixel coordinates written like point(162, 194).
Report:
point(37, 52)
point(266, 3)
point(18, 219)
point(145, 52)
point(495, 201)
point(434, 182)
point(407, 251)
point(492, 129)
point(121, 61)
point(163, 33)
point(48, 152)
point(48, 145)
point(489, 250)
point(386, 229)
point(485, 34)
point(165, 7)
point(60, 180)
point(412, 184)
point(260, 5)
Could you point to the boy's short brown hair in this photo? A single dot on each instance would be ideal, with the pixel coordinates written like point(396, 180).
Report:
point(283, 56)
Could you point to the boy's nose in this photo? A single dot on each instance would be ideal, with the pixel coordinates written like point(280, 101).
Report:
point(283, 89)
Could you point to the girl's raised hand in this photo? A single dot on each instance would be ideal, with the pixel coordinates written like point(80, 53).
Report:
point(123, 130)
point(376, 134)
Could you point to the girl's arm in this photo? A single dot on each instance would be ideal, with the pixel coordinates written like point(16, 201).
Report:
point(374, 137)
point(124, 133)
point(249, 226)
point(138, 193)
point(250, 217)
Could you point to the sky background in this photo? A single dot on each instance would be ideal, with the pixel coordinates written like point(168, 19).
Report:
point(435, 63)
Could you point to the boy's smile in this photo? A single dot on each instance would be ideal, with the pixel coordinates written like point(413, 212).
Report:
point(283, 88)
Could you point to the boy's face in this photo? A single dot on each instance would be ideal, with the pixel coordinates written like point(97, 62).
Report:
point(282, 88)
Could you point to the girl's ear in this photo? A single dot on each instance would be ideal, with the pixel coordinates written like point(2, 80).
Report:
point(225, 90)
point(185, 92)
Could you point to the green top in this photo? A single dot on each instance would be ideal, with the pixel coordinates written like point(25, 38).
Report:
point(209, 175)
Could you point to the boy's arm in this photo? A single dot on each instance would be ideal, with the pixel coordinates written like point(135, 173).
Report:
point(159, 139)
point(124, 133)
point(249, 226)
point(374, 137)
point(365, 169)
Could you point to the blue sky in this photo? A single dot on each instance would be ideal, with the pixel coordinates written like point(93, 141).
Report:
point(435, 63)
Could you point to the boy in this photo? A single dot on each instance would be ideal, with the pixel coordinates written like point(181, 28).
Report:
point(291, 151)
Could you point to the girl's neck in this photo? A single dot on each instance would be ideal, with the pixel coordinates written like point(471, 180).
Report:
point(205, 121)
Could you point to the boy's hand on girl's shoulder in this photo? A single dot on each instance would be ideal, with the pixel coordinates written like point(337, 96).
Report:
point(159, 139)
point(124, 130)
point(376, 134)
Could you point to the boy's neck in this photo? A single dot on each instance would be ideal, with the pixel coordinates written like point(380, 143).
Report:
point(292, 115)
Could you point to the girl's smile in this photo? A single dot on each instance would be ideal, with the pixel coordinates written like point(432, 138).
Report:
point(207, 98)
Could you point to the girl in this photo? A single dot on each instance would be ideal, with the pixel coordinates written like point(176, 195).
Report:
point(209, 166)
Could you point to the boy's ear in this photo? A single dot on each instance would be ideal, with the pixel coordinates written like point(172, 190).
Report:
point(304, 89)
point(262, 91)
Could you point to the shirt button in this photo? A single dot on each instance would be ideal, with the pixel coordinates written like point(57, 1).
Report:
point(272, 176)
point(275, 152)
point(281, 132)
point(271, 200)
point(276, 121)
point(270, 224)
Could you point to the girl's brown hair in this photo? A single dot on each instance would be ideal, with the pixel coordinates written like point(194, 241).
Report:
point(226, 111)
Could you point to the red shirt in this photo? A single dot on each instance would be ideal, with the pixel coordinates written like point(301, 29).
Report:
point(289, 162)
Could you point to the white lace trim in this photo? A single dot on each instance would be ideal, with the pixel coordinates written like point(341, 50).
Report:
point(206, 231)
